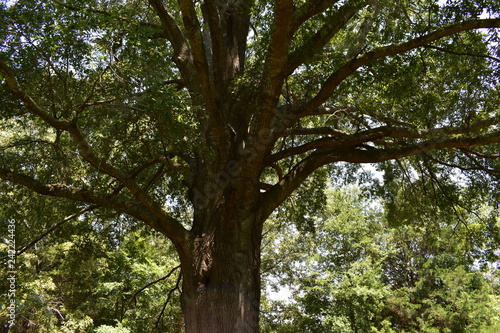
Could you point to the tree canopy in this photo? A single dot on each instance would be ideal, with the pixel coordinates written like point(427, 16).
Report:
point(201, 119)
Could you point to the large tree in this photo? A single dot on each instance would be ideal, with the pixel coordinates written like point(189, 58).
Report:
point(200, 118)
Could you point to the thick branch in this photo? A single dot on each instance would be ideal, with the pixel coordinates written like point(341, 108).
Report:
point(341, 139)
point(350, 67)
point(120, 204)
point(275, 195)
point(308, 10)
point(280, 191)
point(217, 47)
point(201, 65)
point(85, 149)
point(314, 131)
point(330, 142)
point(273, 77)
point(182, 52)
point(381, 155)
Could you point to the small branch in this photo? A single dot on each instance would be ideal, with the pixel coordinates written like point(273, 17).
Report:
point(446, 194)
point(462, 53)
point(168, 298)
point(105, 13)
point(86, 151)
point(308, 10)
point(24, 248)
point(180, 84)
point(350, 67)
point(469, 151)
point(314, 131)
point(478, 167)
point(324, 35)
point(328, 110)
point(151, 283)
point(280, 191)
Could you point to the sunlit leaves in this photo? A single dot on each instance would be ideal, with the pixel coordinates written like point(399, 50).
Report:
point(361, 274)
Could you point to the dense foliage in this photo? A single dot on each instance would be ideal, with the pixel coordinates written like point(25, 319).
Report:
point(354, 270)
point(361, 272)
point(151, 149)
point(91, 273)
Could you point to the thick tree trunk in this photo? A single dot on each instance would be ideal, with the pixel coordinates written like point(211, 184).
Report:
point(221, 284)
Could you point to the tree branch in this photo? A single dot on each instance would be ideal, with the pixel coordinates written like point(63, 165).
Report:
point(324, 35)
point(168, 298)
point(154, 282)
point(105, 13)
point(280, 191)
point(200, 62)
point(276, 58)
point(33, 242)
point(314, 131)
point(478, 166)
point(342, 139)
point(350, 67)
point(308, 10)
point(88, 155)
point(182, 52)
point(442, 49)
point(215, 38)
point(113, 201)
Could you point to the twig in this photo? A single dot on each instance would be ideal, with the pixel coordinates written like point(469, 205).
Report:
point(150, 284)
point(25, 247)
point(462, 53)
point(168, 298)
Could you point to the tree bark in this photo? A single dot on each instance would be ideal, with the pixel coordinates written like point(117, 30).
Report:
point(221, 275)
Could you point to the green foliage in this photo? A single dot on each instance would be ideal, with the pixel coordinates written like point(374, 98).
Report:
point(112, 329)
point(414, 252)
point(361, 273)
point(89, 273)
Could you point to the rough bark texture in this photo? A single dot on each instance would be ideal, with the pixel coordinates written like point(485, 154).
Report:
point(221, 290)
point(220, 253)
point(221, 274)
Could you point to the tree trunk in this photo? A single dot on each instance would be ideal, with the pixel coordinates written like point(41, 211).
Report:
point(221, 283)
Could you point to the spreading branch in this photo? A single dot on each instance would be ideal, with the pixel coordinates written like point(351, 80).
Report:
point(316, 43)
point(273, 75)
point(367, 154)
point(308, 10)
point(351, 66)
point(337, 139)
point(163, 220)
point(133, 297)
point(200, 61)
point(120, 204)
point(44, 234)
point(468, 54)
point(182, 56)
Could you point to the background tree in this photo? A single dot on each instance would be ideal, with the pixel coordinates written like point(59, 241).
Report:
point(358, 271)
point(89, 273)
point(201, 118)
